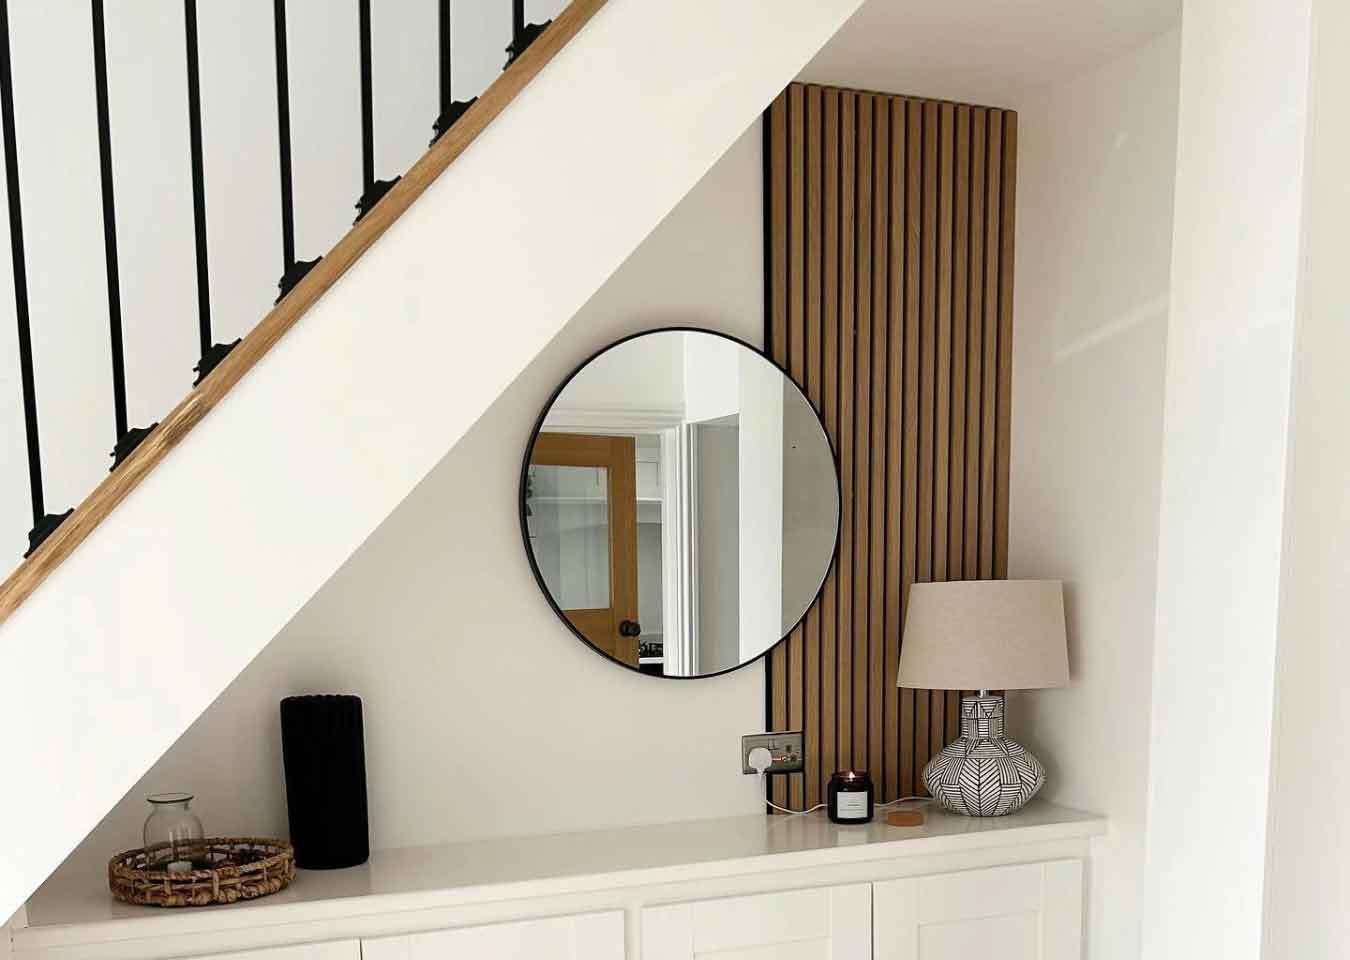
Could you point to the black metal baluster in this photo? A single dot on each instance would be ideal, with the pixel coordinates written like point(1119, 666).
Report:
point(450, 108)
point(119, 377)
point(371, 189)
point(211, 353)
point(43, 522)
point(522, 34)
point(443, 47)
point(284, 137)
point(293, 271)
point(194, 90)
point(367, 106)
point(126, 440)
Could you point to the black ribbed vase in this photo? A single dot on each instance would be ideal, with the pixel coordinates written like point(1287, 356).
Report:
point(323, 746)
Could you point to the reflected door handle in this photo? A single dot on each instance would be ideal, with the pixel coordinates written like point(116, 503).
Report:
point(629, 628)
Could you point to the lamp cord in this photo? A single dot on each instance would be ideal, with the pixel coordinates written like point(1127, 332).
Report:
point(764, 784)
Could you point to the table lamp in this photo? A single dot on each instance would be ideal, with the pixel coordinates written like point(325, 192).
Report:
point(984, 635)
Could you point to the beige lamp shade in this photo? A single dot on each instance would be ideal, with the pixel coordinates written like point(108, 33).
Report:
point(984, 635)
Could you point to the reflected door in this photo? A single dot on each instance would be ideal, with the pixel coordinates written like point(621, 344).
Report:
point(582, 503)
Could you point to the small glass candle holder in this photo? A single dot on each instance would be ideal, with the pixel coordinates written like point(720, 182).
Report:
point(173, 835)
point(850, 796)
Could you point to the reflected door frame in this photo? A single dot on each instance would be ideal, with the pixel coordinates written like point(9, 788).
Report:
point(680, 626)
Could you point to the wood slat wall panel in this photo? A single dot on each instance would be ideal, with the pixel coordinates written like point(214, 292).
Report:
point(812, 336)
point(830, 377)
point(862, 435)
point(876, 648)
point(796, 716)
point(889, 289)
point(896, 703)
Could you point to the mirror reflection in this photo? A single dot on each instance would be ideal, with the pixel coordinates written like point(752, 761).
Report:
point(680, 503)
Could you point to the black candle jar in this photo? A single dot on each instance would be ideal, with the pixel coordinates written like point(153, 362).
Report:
point(850, 795)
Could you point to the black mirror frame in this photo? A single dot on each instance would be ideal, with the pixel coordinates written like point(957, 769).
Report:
point(525, 531)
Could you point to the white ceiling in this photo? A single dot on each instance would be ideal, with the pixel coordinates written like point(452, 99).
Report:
point(994, 52)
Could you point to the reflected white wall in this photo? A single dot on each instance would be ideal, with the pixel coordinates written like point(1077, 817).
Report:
point(761, 513)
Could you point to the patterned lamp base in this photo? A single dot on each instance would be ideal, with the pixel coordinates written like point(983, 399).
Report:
point(983, 773)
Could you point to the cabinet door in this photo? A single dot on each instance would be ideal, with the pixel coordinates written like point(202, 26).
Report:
point(1026, 912)
point(828, 923)
point(337, 950)
point(593, 936)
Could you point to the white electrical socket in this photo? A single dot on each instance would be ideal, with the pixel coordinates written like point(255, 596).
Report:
point(786, 748)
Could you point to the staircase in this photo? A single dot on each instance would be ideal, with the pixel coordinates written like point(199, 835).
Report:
point(136, 608)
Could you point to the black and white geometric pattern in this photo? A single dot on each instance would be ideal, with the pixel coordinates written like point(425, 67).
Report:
point(983, 773)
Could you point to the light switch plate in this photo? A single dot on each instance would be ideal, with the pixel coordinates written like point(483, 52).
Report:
point(789, 755)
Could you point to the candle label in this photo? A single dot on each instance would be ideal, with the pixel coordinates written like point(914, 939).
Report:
point(851, 806)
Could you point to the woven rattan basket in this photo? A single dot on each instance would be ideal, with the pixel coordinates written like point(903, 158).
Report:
point(240, 868)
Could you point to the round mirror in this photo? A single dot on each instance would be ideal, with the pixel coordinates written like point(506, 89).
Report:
point(680, 503)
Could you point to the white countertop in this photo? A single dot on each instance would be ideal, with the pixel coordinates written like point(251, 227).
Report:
point(80, 909)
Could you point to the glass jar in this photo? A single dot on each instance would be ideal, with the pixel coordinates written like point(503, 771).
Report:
point(850, 795)
point(174, 838)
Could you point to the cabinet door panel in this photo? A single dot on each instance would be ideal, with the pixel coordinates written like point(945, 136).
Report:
point(1025, 912)
point(595, 936)
point(830, 923)
point(1007, 938)
point(337, 950)
point(801, 950)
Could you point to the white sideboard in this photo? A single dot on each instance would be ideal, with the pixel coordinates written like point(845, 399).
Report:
point(741, 888)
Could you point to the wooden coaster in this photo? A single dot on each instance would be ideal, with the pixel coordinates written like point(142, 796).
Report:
point(905, 818)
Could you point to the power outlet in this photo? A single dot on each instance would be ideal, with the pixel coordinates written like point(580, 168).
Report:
point(789, 754)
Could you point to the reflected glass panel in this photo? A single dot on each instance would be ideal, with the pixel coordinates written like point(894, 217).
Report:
point(569, 531)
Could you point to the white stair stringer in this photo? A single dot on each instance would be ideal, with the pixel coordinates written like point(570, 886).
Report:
point(134, 635)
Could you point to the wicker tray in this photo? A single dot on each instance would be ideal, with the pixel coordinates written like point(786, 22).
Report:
point(240, 868)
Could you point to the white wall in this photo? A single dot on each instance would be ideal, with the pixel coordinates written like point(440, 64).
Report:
point(1235, 266)
point(1095, 176)
point(1308, 854)
point(469, 680)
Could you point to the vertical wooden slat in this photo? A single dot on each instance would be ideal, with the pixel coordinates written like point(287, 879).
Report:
point(847, 269)
point(812, 374)
point(898, 704)
point(942, 422)
point(796, 334)
point(956, 503)
point(1002, 441)
point(876, 648)
point(979, 124)
point(777, 253)
point(923, 701)
point(943, 360)
point(796, 338)
point(989, 386)
point(862, 435)
point(890, 299)
point(910, 459)
point(778, 220)
point(829, 637)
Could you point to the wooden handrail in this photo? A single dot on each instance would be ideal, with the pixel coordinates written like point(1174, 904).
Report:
point(107, 495)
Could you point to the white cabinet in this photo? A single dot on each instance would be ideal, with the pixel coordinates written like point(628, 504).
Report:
point(827, 923)
point(335, 950)
point(592, 936)
point(1026, 912)
point(736, 888)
